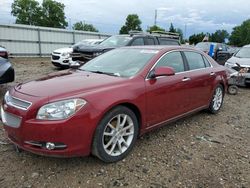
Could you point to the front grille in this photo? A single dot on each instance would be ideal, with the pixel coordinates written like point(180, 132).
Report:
point(56, 53)
point(10, 119)
point(55, 57)
point(86, 56)
point(15, 102)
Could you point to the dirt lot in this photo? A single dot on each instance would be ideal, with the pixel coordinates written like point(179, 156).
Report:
point(200, 151)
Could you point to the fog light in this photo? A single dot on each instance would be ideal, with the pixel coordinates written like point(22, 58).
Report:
point(50, 146)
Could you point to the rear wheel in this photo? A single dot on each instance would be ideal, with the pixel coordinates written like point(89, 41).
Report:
point(116, 134)
point(217, 100)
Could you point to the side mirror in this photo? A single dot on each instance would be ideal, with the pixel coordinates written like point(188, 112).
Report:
point(162, 71)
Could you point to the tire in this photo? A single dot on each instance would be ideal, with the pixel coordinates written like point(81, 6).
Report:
point(232, 89)
point(115, 135)
point(217, 100)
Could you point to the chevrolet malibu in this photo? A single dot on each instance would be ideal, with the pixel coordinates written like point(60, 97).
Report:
point(102, 107)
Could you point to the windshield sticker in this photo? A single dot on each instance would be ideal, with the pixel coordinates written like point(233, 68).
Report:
point(149, 51)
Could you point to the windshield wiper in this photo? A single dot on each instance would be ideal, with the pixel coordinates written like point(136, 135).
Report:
point(107, 73)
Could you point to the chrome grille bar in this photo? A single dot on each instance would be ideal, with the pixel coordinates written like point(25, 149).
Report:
point(16, 102)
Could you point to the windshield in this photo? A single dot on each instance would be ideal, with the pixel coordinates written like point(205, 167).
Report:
point(116, 41)
point(83, 42)
point(243, 53)
point(120, 62)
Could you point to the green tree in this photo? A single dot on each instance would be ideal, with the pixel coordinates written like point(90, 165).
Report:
point(219, 36)
point(155, 28)
point(240, 35)
point(195, 38)
point(132, 23)
point(84, 27)
point(26, 12)
point(53, 14)
point(172, 29)
point(49, 14)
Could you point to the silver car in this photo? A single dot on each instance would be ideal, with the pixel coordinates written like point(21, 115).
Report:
point(240, 62)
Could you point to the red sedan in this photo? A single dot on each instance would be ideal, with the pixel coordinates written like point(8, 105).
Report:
point(102, 107)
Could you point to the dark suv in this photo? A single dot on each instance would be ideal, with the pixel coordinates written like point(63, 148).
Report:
point(220, 52)
point(86, 53)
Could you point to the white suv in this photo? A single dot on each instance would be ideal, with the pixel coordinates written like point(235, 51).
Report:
point(61, 57)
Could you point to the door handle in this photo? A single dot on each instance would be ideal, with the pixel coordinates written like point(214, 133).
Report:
point(212, 73)
point(185, 79)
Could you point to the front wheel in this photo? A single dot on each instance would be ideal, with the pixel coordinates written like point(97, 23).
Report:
point(116, 134)
point(217, 100)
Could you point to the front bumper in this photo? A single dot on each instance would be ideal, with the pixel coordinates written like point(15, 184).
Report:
point(241, 78)
point(59, 61)
point(72, 137)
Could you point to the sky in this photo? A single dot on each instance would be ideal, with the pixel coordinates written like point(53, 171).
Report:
point(192, 16)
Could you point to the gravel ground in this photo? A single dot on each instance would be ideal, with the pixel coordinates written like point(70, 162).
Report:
point(202, 150)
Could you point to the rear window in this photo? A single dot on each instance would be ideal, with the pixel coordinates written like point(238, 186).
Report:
point(195, 60)
point(204, 46)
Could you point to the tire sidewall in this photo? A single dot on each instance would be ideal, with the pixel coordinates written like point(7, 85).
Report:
point(98, 149)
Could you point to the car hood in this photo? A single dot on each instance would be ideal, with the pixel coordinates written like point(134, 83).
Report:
point(97, 48)
point(64, 50)
point(68, 83)
point(241, 61)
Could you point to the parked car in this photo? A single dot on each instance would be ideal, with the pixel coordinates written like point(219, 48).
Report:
point(60, 57)
point(103, 106)
point(3, 52)
point(240, 61)
point(7, 73)
point(220, 51)
point(82, 54)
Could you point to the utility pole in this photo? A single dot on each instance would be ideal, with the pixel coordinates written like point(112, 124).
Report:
point(155, 16)
point(185, 31)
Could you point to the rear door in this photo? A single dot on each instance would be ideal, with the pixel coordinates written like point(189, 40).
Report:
point(202, 78)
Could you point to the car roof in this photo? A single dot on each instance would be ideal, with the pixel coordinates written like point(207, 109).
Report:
point(162, 47)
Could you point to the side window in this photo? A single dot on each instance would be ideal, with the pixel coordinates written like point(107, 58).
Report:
point(206, 62)
point(172, 59)
point(195, 60)
point(138, 42)
point(168, 42)
point(150, 41)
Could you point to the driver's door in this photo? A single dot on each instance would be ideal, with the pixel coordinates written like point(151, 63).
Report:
point(167, 96)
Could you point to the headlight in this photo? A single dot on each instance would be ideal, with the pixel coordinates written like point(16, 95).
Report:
point(60, 110)
point(66, 54)
point(230, 64)
point(97, 53)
